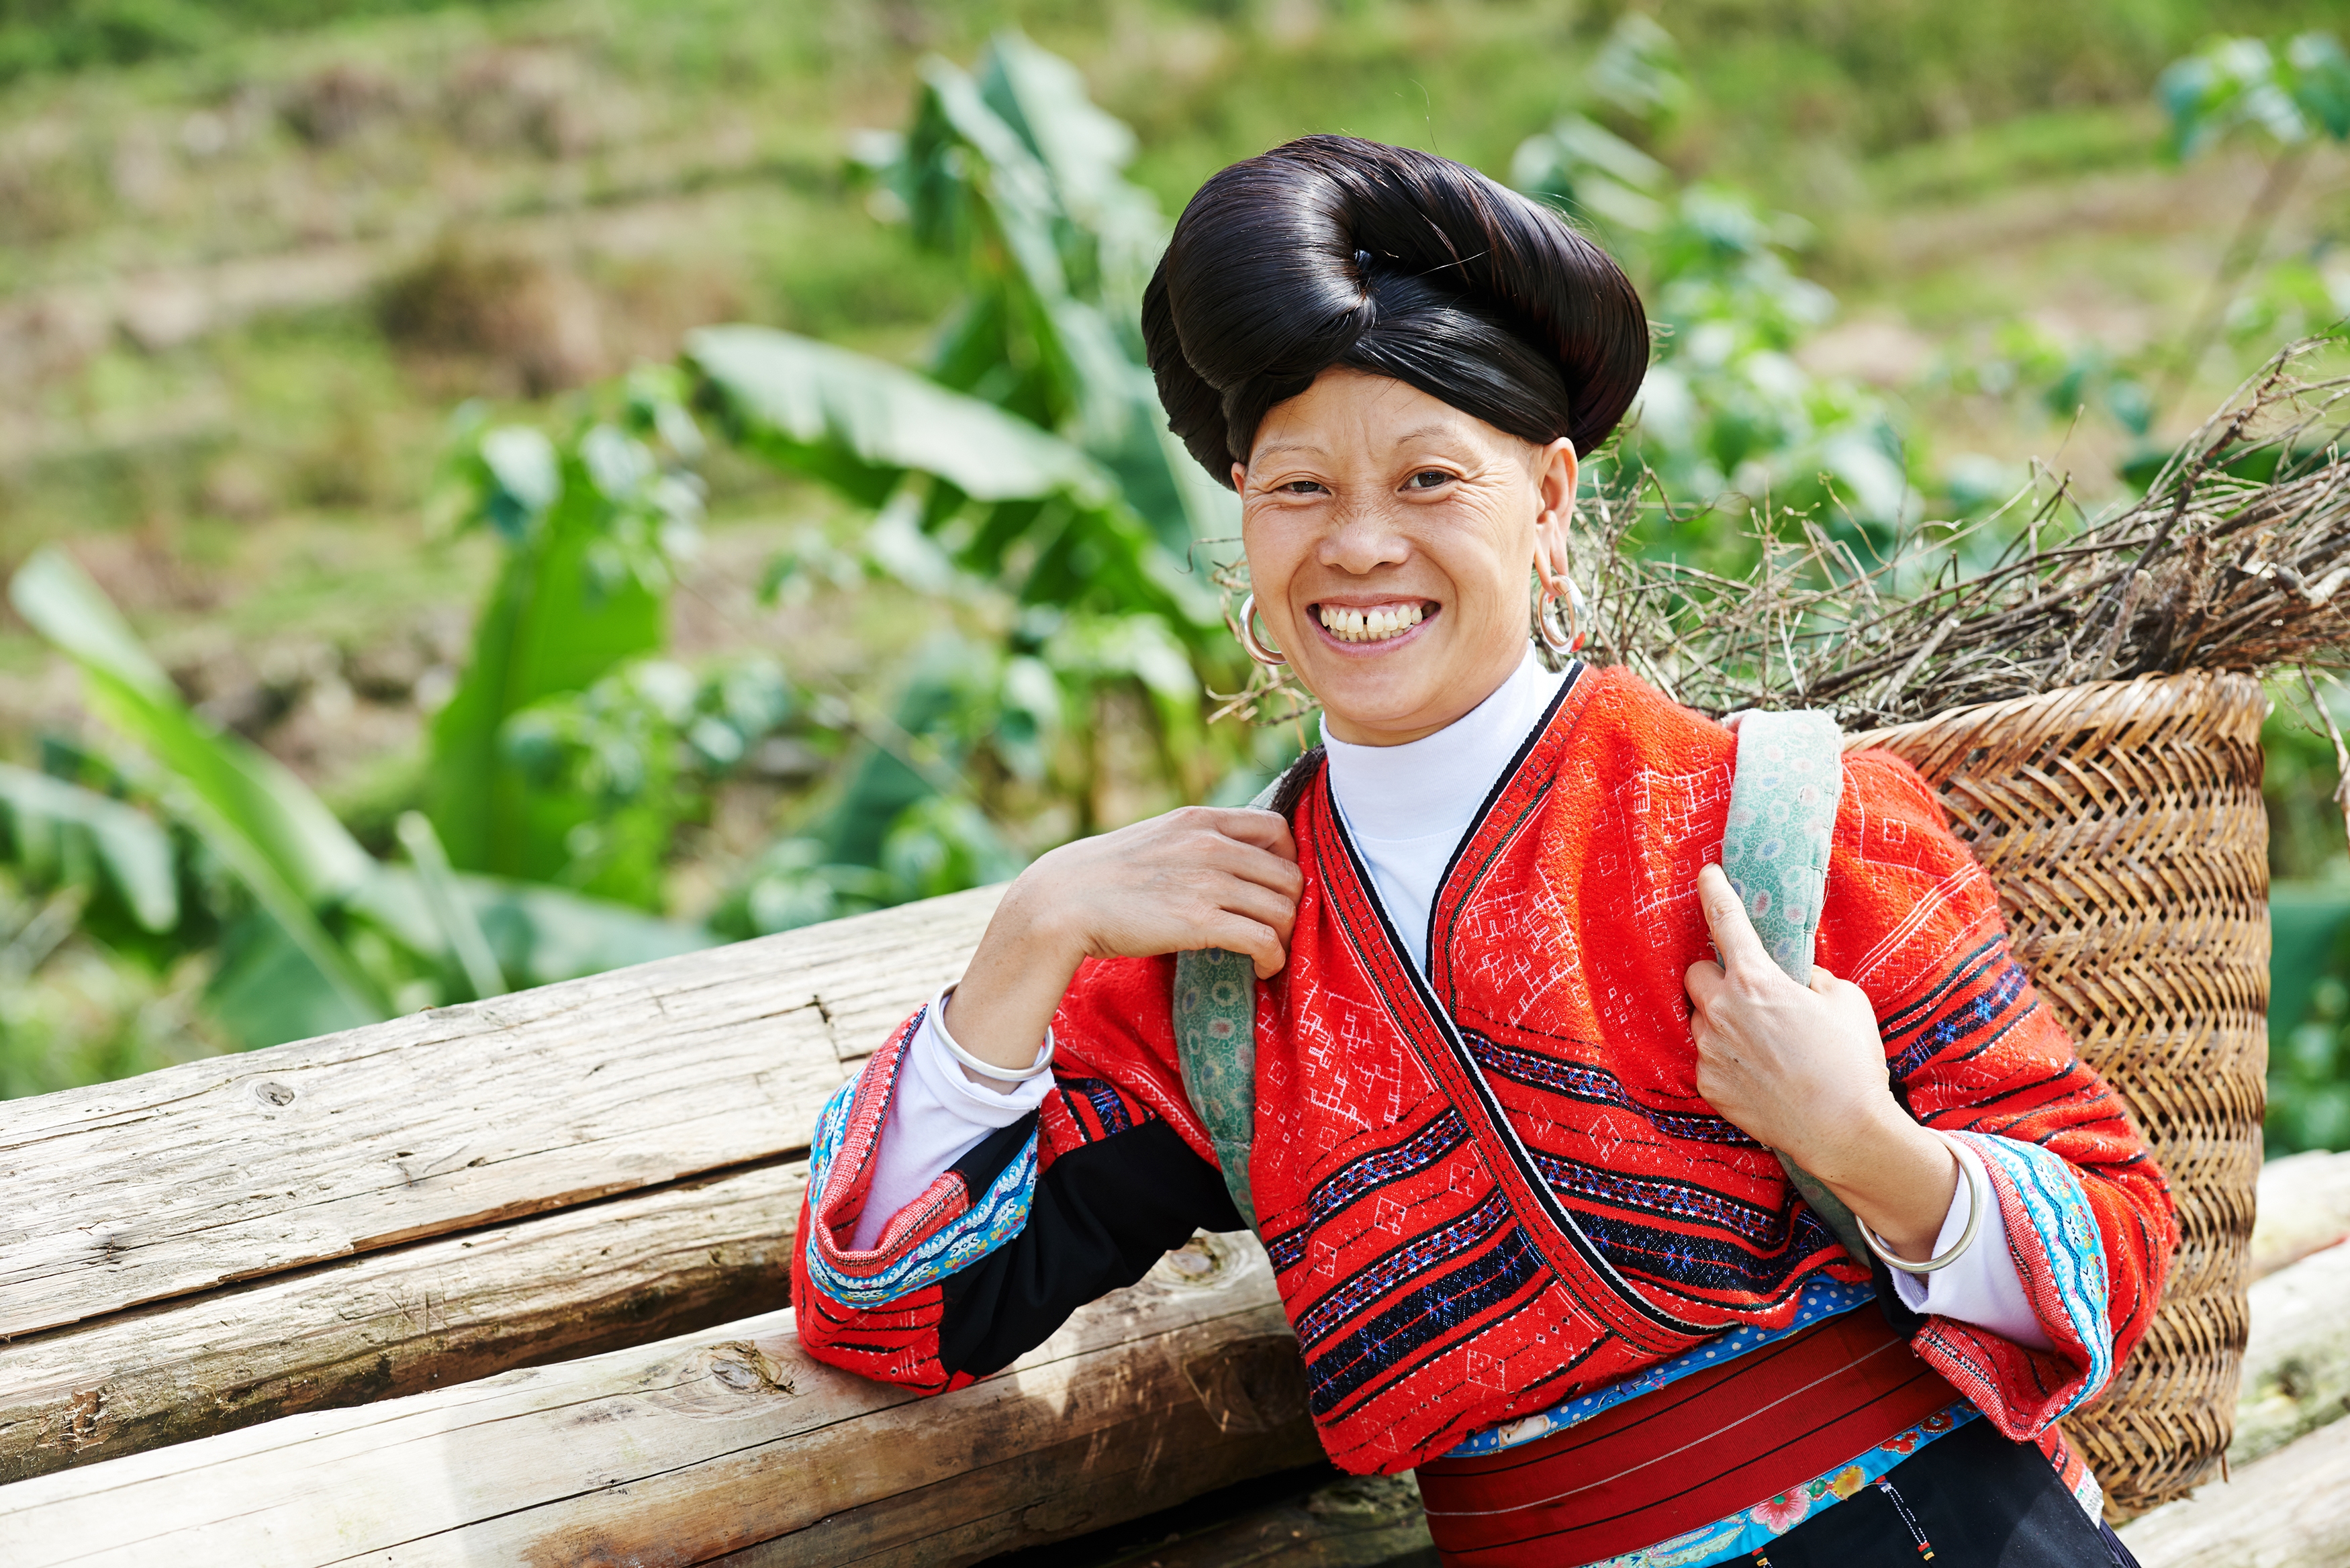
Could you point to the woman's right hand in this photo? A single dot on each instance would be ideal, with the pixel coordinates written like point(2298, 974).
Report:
point(1198, 877)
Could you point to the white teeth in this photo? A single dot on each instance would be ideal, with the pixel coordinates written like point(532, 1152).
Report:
point(1370, 625)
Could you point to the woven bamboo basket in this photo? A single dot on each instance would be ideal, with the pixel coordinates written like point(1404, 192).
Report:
point(2123, 823)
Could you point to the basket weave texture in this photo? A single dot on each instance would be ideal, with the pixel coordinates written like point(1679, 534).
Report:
point(2123, 823)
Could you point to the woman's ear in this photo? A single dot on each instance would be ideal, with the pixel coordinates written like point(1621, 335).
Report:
point(1240, 474)
point(1557, 473)
point(1556, 476)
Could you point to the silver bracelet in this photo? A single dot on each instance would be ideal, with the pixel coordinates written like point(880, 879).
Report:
point(1975, 1203)
point(1044, 1062)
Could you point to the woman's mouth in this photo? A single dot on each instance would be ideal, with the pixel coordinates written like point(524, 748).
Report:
point(1373, 623)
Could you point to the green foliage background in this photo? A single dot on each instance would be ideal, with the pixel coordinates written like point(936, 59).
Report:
point(984, 559)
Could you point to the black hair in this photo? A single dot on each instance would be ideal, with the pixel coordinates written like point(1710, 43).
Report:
point(1334, 251)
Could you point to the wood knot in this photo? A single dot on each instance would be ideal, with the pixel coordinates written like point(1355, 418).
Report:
point(1204, 1260)
point(270, 1092)
point(746, 1369)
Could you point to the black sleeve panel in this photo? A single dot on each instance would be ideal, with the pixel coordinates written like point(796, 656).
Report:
point(1101, 1215)
point(985, 1160)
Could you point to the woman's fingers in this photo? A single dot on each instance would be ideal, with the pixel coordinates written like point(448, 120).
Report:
point(1705, 980)
point(1725, 917)
point(1264, 906)
point(1238, 934)
point(1267, 830)
point(1262, 867)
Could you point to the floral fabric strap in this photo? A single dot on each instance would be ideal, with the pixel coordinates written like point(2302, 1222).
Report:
point(1215, 1045)
point(1775, 850)
point(1783, 807)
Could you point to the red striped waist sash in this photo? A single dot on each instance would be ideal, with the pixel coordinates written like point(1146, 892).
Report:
point(1684, 1455)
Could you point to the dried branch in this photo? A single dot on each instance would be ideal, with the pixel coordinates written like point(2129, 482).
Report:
point(2235, 558)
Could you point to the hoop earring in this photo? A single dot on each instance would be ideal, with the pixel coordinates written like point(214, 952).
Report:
point(1250, 642)
point(1572, 602)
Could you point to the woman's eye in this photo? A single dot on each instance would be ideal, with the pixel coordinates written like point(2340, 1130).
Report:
point(1428, 479)
point(1303, 486)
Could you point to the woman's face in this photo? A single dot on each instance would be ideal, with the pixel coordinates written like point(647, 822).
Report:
point(1389, 536)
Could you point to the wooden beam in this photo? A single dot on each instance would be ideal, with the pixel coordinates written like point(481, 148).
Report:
point(645, 1265)
point(2291, 1509)
point(2303, 1208)
point(2297, 1362)
point(731, 1441)
point(237, 1168)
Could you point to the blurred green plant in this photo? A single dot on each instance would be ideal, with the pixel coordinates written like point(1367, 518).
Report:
point(2309, 921)
point(2291, 99)
point(1727, 413)
point(1026, 472)
point(312, 934)
point(591, 525)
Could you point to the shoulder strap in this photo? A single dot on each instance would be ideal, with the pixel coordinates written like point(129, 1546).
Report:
point(1215, 1045)
point(1783, 807)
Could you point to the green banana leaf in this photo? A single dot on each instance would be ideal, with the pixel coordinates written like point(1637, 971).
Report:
point(266, 826)
point(1048, 518)
point(62, 832)
point(1015, 173)
point(576, 596)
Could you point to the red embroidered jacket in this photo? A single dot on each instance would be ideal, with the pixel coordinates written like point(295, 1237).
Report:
point(1494, 1188)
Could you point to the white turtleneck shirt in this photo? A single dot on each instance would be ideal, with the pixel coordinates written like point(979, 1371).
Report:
point(1407, 807)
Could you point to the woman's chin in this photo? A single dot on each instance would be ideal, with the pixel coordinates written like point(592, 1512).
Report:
point(1368, 700)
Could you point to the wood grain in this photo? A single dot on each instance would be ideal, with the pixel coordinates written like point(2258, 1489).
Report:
point(2303, 1208)
point(642, 1266)
point(241, 1167)
point(2291, 1509)
point(2297, 1362)
point(700, 1446)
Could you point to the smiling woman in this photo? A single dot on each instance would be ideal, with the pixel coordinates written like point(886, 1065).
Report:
point(1521, 1061)
point(1388, 538)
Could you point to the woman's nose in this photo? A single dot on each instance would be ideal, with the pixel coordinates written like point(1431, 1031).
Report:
point(1362, 538)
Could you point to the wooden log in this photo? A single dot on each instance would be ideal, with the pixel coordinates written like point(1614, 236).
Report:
point(1357, 1521)
point(2297, 1362)
point(2305, 1208)
point(237, 1168)
point(731, 1441)
point(645, 1265)
point(2291, 1509)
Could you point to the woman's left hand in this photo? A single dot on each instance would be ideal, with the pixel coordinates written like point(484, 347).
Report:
point(1801, 1069)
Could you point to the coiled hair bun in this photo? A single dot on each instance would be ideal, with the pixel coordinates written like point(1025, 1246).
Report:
point(1334, 251)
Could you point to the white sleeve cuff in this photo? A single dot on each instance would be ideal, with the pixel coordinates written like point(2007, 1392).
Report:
point(938, 1115)
point(1982, 1286)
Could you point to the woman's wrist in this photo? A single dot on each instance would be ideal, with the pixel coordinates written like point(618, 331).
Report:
point(1001, 1009)
point(1897, 1176)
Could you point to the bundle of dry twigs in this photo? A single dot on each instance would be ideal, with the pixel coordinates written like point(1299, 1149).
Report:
point(2237, 557)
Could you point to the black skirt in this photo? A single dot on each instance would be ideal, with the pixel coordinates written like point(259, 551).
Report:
point(1972, 1499)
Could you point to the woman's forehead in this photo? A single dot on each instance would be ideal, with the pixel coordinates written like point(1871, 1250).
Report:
point(1348, 412)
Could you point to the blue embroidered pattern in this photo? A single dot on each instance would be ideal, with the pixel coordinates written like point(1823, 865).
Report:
point(1578, 1081)
point(1657, 1195)
point(2069, 1241)
point(1420, 1319)
point(1384, 1274)
point(1444, 1133)
point(1818, 1299)
point(1000, 1213)
point(1976, 1013)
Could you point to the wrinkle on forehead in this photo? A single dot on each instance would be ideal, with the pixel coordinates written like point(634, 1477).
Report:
point(1294, 432)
